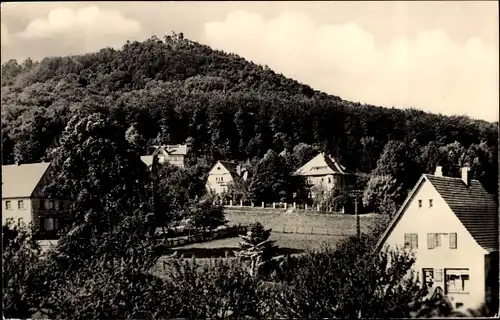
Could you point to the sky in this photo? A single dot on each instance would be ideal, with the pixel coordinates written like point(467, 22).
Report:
point(441, 57)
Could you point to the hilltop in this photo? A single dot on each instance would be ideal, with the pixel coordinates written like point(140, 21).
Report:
point(223, 105)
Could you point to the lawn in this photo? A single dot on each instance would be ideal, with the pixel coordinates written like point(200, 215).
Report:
point(326, 224)
point(287, 242)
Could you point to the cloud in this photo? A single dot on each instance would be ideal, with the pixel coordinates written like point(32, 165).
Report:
point(65, 31)
point(87, 20)
point(429, 71)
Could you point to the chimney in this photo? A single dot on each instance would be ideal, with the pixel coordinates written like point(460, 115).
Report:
point(439, 171)
point(466, 176)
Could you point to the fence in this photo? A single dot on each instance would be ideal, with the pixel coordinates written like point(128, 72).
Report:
point(313, 231)
point(277, 206)
point(225, 232)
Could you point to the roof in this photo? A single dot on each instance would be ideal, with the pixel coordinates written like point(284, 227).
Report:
point(473, 205)
point(173, 149)
point(148, 160)
point(230, 166)
point(322, 165)
point(19, 181)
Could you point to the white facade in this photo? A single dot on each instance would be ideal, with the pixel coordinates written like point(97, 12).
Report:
point(456, 264)
point(17, 209)
point(219, 179)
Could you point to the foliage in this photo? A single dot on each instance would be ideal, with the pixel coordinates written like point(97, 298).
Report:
point(383, 193)
point(20, 257)
point(335, 283)
point(94, 169)
point(271, 180)
point(256, 247)
point(217, 289)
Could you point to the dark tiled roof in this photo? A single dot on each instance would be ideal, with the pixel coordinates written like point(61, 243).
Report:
point(473, 205)
point(230, 166)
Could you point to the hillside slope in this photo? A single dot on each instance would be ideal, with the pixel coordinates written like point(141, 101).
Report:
point(223, 105)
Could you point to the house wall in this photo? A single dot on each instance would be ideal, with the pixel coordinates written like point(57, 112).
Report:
point(25, 214)
point(219, 179)
point(440, 219)
point(325, 183)
point(176, 160)
point(491, 280)
point(59, 215)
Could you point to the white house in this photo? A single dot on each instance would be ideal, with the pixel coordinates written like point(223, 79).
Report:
point(222, 174)
point(24, 202)
point(173, 154)
point(324, 174)
point(452, 226)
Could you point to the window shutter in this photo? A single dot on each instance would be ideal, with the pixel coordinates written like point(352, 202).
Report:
point(453, 240)
point(407, 240)
point(430, 241)
point(414, 241)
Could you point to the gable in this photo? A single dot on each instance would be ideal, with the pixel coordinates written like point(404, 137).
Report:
point(222, 168)
point(321, 165)
point(442, 214)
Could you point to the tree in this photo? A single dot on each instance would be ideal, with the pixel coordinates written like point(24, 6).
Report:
point(256, 247)
point(95, 170)
point(348, 282)
point(20, 259)
point(383, 193)
point(270, 182)
point(303, 153)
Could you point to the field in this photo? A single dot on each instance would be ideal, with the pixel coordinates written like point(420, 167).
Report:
point(304, 223)
point(294, 233)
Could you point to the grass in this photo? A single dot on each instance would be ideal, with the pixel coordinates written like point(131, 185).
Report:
point(327, 224)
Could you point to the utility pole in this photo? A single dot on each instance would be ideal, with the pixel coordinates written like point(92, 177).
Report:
point(356, 194)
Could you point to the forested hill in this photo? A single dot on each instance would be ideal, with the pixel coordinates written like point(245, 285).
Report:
point(223, 105)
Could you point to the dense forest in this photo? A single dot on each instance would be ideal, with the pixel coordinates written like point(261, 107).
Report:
point(175, 90)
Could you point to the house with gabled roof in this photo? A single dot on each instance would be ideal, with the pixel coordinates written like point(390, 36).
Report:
point(24, 202)
point(173, 154)
point(222, 174)
point(323, 174)
point(451, 225)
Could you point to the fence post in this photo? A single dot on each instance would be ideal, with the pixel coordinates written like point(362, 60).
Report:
point(306, 207)
point(318, 207)
point(274, 205)
point(263, 204)
point(241, 203)
point(252, 204)
point(286, 205)
point(230, 203)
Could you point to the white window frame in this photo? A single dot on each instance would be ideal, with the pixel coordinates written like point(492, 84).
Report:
point(20, 204)
point(411, 241)
point(460, 282)
point(453, 237)
point(434, 240)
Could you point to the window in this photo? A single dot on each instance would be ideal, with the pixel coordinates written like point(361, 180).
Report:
point(8, 205)
point(430, 203)
point(433, 240)
point(453, 240)
point(57, 204)
point(49, 224)
point(218, 168)
point(322, 179)
point(411, 241)
point(20, 204)
point(420, 203)
point(20, 222)
point(428, 275)
point(456, 280)
point(329, 180)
